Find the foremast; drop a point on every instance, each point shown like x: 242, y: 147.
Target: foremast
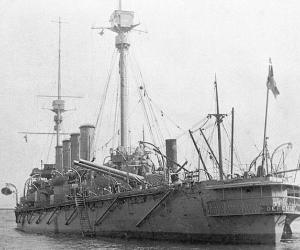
x: 58, y: 107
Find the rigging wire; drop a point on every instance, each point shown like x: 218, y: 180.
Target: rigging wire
x: 205, y: 120
x: 47, y: 140
x: 240, y: 121
x: 165, y: 125
x: 116, y: 132
x: 234, y: 148
x: 210, y: 139
x: 143, y: 104
x: 151, y: 119
x: 207, y: 154
x: 103, y: 98
x: 115, y: 126
x: 152, y: 114
x: 165, y: 114
x: 154, y: 103
x: 50, y: 146
x: 158, y: 130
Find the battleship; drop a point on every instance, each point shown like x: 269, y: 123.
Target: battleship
x: 144, y: 193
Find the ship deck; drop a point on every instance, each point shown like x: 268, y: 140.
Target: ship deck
x: 257, y: 181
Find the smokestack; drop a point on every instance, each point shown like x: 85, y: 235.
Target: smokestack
x: 86, y: 140
x: 58, y: 158
x: 74, y: 147
x: 171, y: 153
x: 66, y: 155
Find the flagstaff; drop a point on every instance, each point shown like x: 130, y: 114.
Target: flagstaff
x: 271, y: 85
x: 265, y: 132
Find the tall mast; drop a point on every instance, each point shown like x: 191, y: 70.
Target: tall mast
x: 122, y: 23
x: 122, y: 45
x: 271, y: 85
x: 219, y: 118
x: 231, y: 146
x: 59, y: 82
x: 58, y: 106
x: 264, y: 158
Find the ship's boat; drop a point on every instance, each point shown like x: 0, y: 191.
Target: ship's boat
x: 145, y: 193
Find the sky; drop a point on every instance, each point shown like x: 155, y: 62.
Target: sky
x: 186, y: 44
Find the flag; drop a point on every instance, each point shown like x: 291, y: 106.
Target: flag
x: 271, y: 84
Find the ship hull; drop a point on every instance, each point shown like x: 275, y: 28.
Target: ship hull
x: 180, y: 214
x: 264, y: 239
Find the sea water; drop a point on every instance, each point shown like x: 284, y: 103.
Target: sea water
x: 10, y: 238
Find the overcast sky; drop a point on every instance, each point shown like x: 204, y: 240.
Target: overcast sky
x: 186, y: 44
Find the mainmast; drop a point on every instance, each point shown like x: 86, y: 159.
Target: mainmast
x: 122, y: 23
x: 219, y: 118
x: 122, y: 45
x: 231, y: 143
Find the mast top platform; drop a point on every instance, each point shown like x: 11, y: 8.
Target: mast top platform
x: 121, y: 21
x: 58, y: 105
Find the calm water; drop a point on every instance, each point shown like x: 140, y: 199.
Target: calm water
x: 13, y: 239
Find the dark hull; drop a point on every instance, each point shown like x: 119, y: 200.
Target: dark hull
x: 183, y: 215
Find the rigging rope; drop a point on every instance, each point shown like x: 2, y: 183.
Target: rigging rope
x: 165, y: 125
x: 143, y: 104
x: 164, y: 114
x: 103, y: 98
x: 210, y: 139
x: 207, y: 153
x: 234, y: 148
x: 152, y: 114
x: 47, y: 141
x: 115, y: 127
x: 158, y: 130
x: 192, y: 128
x: 49, y: 148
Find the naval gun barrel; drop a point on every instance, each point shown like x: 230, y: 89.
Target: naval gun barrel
x: 109, y: 171
x: 84, y: 166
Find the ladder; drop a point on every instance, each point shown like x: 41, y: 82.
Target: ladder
x: 85, y: 223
